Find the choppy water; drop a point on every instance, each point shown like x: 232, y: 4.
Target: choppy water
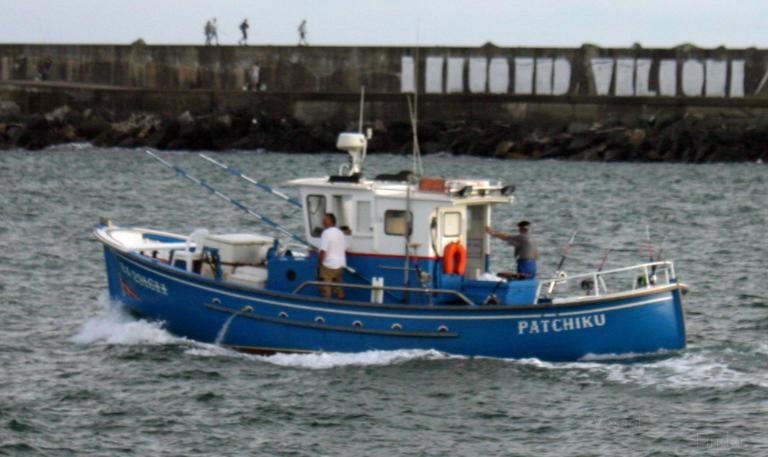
x: 78, y: 377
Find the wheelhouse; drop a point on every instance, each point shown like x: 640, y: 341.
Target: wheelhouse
x: 395, y: 216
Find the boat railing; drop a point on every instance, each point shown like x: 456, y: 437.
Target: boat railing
x: 424, y: 290
x: 597, y: 283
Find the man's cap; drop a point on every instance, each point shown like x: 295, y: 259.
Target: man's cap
x: 522, y: 224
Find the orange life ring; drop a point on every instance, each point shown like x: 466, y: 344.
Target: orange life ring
x: 448, y: 257
x: 461, y: 262
x: 454, y: 258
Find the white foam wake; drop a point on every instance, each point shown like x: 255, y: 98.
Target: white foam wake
x: 114, y: 326
x: 686, y: 371
x: 200, y: 349
x: 323, y: 360
x: 326, y: 360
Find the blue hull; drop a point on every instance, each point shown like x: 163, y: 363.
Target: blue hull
x: 264, y: 321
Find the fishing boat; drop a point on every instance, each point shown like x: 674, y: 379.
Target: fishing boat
x: 419, y: 276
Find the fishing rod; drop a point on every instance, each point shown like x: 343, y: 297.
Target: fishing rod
x: 559, y: 274
x: 649, y: 243
x: 491, y: 298
x: 226, y: 197
x: 589, y: 284
x: 659, y: 253
x: 653, y: 255
x: 235, y: 172
x: 605, y: 257
x: 566, y: 251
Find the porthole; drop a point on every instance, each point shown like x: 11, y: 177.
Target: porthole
x: 320, y: 320
x: 283, y: 314
x: 442, y: 329
x: 290, y: 275
x: 357, y: 324
x: 216, y: 301
x: 397, y: 326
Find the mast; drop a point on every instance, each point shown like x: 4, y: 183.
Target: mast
x: 408, y: 225
x: 413, y: 111
x: 416, y: 168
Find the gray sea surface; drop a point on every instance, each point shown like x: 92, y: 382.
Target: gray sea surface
x: 78, y: 377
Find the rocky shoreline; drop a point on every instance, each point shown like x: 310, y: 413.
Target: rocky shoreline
x: 666, y: 136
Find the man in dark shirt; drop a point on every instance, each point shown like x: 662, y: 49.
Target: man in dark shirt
x: 526, y: 249
x: 244, y: 30
x: 303, y: 33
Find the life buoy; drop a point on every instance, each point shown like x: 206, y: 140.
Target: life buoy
x: 454, y: 258
x: 448, y: 257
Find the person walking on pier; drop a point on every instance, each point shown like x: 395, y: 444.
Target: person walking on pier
x: 244, y: 26
x: 303, y: 33
x: 526, y: 249
x: 244, y: 30
x: 208, y: 34
x: 214, y: 32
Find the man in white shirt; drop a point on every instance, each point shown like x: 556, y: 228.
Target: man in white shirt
x: 333, y: 257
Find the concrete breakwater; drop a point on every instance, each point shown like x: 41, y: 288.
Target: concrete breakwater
x: 684, y: 103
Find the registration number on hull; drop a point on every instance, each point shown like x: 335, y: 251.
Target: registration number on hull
x: 143, y: 281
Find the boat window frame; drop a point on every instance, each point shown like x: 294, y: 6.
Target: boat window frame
x: 340, y: 203
x: 312, y: 228
x: 407, y: 215
x: 459, y: 225
x: 368, y: 228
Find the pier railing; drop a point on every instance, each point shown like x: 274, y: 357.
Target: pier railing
x: 597, y: 283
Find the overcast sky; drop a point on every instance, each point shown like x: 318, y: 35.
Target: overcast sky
x: 568, y: 23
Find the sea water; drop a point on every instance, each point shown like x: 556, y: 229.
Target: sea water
x: 81, y: 377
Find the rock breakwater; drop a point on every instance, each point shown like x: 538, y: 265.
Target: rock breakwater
x: 666, y: 136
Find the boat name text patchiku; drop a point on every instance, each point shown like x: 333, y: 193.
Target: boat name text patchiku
x: 559, y: 324
x: 143, y: 281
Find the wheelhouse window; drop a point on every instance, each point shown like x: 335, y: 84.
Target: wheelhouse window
x: 396, y: 222
x: 452, y: 224
x: 340, y: 209
x: 364, y: 225
x: 315, y: 213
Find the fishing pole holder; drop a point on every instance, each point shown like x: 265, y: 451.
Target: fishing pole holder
x: 561, y: 277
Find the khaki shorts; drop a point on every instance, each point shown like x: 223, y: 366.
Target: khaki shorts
x: 331, y: 275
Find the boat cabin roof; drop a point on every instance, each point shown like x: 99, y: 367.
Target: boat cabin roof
x: 442, y: 192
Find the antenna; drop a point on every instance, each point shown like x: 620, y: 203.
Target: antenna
x: 413, y: 111
x: 362, y: 104
x: 417, y: 168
